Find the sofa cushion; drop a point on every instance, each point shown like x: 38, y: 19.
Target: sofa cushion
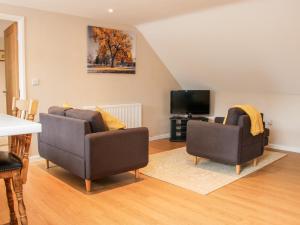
x: 233, y: 116
x: 59, y: 111
x: 111, y: 122
x: 94, y: 118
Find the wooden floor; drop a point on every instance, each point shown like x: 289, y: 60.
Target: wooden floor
x: 270, y: 196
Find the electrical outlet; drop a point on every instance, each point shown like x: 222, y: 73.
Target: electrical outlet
x: 269, y: 123
x: 35, y: 82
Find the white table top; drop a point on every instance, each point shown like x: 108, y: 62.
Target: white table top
x: 10, y: 125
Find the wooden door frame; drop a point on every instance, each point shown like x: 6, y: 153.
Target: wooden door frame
x: 21, y: 50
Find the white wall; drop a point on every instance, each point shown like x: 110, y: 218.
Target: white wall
x: 56, y: 52
x: 247, y: 51
x: 281, y: 109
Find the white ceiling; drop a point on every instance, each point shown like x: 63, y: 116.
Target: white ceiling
x: 130, y: 12
x: 249, y: 46
x: 3, y: 25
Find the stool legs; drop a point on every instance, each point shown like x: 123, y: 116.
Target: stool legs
x: 18, y: 188
x: 10, y: 201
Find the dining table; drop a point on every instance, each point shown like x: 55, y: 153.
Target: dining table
x: 10, y: 126
x: 13, y: 126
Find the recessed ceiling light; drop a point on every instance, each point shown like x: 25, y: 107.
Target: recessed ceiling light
x: 110, y: 10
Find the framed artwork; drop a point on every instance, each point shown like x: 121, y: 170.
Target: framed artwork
x: 2, y: 55
x: 111, y: 51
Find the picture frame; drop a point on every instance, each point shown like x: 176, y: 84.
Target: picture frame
x: 2, y: 55
x: 111, y: 51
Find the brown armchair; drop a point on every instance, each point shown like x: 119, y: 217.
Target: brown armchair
x: 229, y: 144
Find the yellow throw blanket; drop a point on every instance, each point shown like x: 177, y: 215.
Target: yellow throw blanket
x: 257, y: 126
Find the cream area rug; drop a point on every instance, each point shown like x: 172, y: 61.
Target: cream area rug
x: 177, y: 167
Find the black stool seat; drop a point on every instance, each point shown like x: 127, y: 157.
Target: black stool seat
x: 9, y: 162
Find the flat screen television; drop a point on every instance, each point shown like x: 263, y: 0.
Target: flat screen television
x: 190, y: 102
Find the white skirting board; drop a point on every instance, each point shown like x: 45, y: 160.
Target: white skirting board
x: 284, y: 148
x: 35, y: 158
x: 158, y: 137
x: 273, y: 146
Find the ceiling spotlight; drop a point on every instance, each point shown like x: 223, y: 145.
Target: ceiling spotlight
x: 110, y: 10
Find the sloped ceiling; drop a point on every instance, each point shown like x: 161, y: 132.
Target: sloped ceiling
x: 247, y: 45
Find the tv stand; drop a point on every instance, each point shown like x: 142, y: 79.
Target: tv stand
x: 179, y: 126
x: 191, y: 117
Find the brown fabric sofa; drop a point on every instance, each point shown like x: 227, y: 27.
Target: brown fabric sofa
x: 78, y: 141
x: 229, y: 144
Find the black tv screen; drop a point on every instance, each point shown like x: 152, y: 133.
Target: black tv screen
x: 190, y: 102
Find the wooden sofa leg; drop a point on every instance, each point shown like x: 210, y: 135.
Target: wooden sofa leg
x: 238, y: 169
x: 137, y: 174
x: 255, y: 162
x: 88, y: 185
x: 47, y: 164
x: 196, y: 160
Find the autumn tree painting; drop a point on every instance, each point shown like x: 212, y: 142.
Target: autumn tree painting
x: 110, y: 51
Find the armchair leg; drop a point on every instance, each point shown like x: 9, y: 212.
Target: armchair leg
x: 255, y: 162
x: 88, y: 185
x: 196, y: 160
x: 47, y: 164
x: 238, y: 169
x: 137, y: 174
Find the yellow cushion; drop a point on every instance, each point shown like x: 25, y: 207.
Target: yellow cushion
x: 67, y: 105
x: 111, y: 122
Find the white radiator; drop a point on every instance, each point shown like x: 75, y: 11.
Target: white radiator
x: 130, y: 114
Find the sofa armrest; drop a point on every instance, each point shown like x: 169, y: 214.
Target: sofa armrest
x: 214, y: 141
x: 113, y: 152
